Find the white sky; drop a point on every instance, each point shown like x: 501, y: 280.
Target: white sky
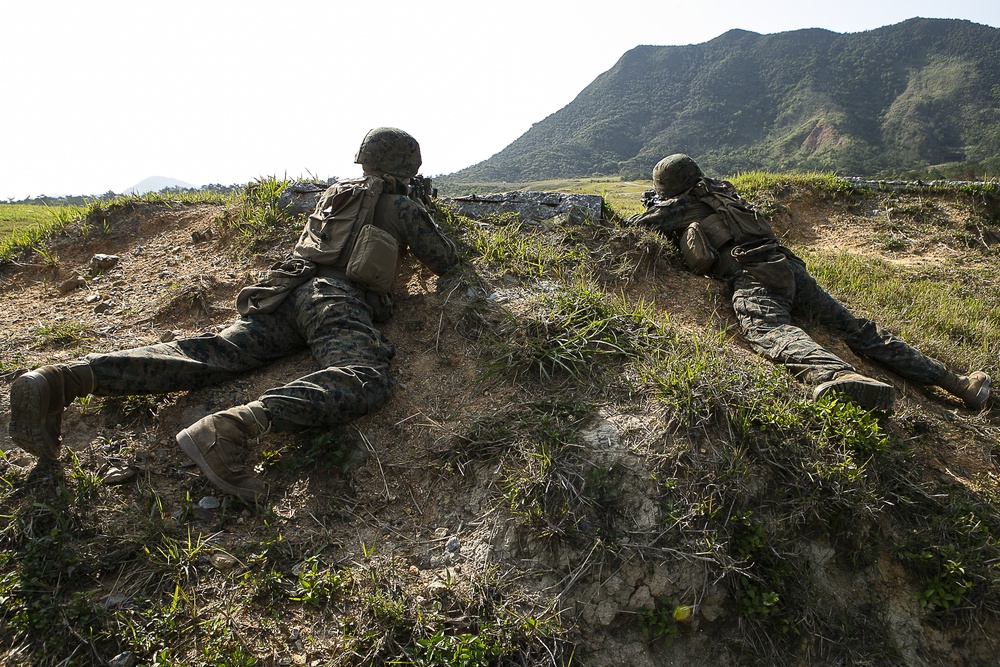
x: 98, y: 95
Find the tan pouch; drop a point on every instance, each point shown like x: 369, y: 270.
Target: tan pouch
x: 373, y: 261
x: 699, y: 255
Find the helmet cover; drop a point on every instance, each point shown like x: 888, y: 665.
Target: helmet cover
x: 675, y: 174
x: 389, y: 150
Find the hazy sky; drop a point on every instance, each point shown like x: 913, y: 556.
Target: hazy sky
x: 98, y: 95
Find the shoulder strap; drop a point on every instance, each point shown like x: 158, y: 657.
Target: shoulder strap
x: 373, y: 188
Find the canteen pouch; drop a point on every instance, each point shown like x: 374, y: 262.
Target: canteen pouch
x: 699, y: 255
x: 374, y: 259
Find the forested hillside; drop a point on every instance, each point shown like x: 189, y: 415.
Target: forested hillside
x: 899, y: 99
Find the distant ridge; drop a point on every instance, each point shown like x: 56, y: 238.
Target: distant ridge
x: 156, y: 184
x: 907, y: 96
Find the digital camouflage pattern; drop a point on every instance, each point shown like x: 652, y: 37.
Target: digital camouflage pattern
x: 327, y: 315
x: 389, y: 150
x: 765, y: 314
x: 767, y: 292
x: 675, y: 174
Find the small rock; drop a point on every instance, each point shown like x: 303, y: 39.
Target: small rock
x: 93, y: 298
x: 223, y: 561
x: 452, y: 545
x: 202, y: 514
x: 100, y: 263
x: 436, y: 588
x: 102, y: 307
x: 71, y: 284
x: 209, y: 503
x: 115, y: 600
x: 126, y: 659
x: 118, y: 475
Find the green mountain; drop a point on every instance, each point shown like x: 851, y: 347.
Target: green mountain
x: 903, y: 97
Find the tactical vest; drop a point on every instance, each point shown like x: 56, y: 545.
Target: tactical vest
x: 731, y: 223
x: 341, y: 234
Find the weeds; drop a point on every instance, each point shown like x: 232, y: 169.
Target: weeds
x: 194, y: 293
x: 62, y: 334
x: 660, y: 622
x: 571, y: 333
x: 255, y: 218
x: 611, y: 456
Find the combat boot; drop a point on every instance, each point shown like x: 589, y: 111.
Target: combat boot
x: 866, y: 392
x: 216, y: 444
x: 973, y: 389
x: 37, y: 401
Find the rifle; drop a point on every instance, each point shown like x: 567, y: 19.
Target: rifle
x: 649, y: 198
x: 421, y: 190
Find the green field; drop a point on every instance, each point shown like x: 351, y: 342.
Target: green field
x: 20, y: 216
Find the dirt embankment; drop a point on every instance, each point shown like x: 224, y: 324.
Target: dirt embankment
x: 397, y: 485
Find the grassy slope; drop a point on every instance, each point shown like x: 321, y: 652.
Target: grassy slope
x: 584, y: 407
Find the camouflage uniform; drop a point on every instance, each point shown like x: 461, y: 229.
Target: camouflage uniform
x: 328, y: 315
x: 764, y: 304
x: 360, y: 228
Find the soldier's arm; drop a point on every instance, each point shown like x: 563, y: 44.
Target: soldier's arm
x: 426, y: 240
x: 666, y: 217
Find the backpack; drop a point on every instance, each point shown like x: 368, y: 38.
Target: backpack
x: 342, y: 222
x: 736, y: 220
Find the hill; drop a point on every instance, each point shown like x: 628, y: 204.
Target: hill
x: 903, y: 97
x: 157, y: 184
x: 582, y: 464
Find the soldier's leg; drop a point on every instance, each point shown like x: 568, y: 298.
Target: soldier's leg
x: 764, y: 315
x: 867, y: 338
x: 39, y: 397
x: 333, y: 318
x: 199, y: 361
x: 864, y: 336
x: 354, y: 380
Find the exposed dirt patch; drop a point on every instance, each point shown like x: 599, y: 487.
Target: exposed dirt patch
x: 392, y: 481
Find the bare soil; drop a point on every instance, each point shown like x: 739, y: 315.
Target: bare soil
x: 406, y: 494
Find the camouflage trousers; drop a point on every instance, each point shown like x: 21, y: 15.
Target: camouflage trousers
x: 329, y: 317
x: 765, y: 312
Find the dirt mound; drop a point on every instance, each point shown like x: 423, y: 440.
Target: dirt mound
x: 431, y: 488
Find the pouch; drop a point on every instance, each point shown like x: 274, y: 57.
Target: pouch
x: 765, y: 260
x: 373, y: 260
x: 699, y: 255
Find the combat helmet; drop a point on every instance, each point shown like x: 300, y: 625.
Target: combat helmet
x: 388, y: 150
x: 675, y: 174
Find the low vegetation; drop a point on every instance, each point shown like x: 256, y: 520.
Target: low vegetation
x: 29, y: 226
x: 633, y: 489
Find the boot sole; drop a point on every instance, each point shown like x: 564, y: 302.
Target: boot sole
x: 29, y: 399
x: 869, y: 395
x: 978, y: 402
x: 190, y: 448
